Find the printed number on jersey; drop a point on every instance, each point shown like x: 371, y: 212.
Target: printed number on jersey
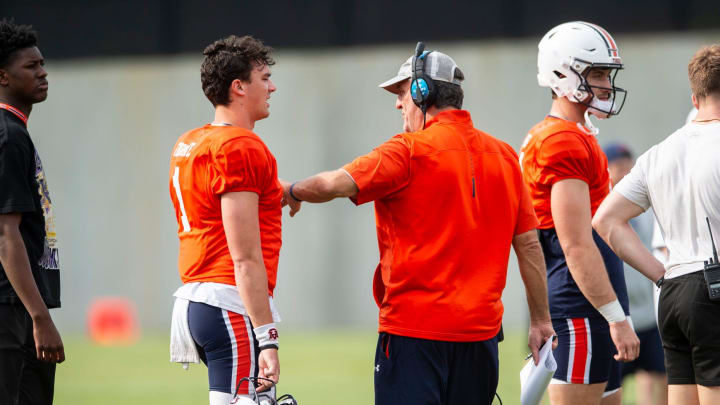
x: 176, y: 186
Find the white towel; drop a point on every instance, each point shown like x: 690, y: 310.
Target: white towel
x: 182, y: 345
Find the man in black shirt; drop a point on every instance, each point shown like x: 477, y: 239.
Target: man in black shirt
x: 30, y: 345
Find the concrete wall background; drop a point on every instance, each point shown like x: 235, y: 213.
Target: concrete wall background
x: 106, y: 131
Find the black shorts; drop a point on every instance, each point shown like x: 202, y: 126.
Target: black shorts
x: 431, y: 372
x: 690, y: 331
x: 23, y: 378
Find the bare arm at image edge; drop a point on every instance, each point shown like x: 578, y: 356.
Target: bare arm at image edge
x: 14, y: 259
x: 532, y: 270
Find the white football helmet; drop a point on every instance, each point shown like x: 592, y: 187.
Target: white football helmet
x: 260, y: 398
x: 565, y: 56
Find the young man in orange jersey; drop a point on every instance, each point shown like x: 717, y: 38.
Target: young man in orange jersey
x: 227, y: 198
x: 449, y: 201
x: 30, y: 344
x: 567, y: 174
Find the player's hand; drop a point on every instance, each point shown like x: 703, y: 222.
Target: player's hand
x: 287, y: 199
x: 269, y: 368
x: 625, y: 340
x: 48, y: 344
x: 540, y: 332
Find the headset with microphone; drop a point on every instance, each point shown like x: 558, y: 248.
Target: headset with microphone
x: 422, y: 88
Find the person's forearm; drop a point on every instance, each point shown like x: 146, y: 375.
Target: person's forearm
x: 625, y: 242
x: 531, y: 263
x: 324, y: 187
x: 588, y: 270
x: 15, y: 261
x: 252, y: 285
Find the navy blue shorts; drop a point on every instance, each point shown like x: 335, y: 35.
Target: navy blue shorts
x: 585, y: 352
x: 651, y: 356
x: 430, y: 372
x: 226, y: 344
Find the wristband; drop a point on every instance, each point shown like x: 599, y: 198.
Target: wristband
x: 291, y: 193
x: 269, y: 347
x: 612, y: 312
x: 266, y: 335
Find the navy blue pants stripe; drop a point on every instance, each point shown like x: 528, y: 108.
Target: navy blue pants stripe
x: 429, y: 372
x: 226, y: 344
x: 585, y: 352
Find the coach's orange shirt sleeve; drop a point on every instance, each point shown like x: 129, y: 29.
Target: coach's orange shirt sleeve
x: 526, y: 219
x: 240, y: 164
x: 381, y: 172
x: 563, y: 156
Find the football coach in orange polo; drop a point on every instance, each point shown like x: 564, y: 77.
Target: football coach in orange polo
x: 449, y: 203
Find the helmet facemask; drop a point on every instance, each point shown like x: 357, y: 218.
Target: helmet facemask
x: 586, y: 94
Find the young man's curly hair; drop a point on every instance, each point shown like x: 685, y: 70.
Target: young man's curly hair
x: 14, y: 37
x: 228, y: 59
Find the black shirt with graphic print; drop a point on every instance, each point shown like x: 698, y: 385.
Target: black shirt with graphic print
x: 23, y: 190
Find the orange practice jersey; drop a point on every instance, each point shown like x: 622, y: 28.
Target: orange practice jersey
x: 448, y: 201
x: 556, y: 149
x: 206, y: 163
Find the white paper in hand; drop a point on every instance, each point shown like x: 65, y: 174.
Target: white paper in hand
x: 534, y: 379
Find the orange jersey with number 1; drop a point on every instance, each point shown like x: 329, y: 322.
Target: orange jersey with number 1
x: 206, y: 163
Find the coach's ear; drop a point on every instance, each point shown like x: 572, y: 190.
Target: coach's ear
x: 4, y: 78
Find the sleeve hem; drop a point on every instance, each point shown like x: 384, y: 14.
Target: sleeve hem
x: 527, y: 228
x: 357, y: 200
x: 569, y: 177
x: 619, y: 190
x: 239, y: 189
x: 10, y: 209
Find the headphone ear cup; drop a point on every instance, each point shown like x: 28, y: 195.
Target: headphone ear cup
x: 430, y: 93
x: 422, y: 91
x: 419, y: 90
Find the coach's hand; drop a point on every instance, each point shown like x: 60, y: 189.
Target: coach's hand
x: 269, y: 368
x: 48, y: 344
x: 288, y: 199
x: 625, y: 340
x: 540, y: 332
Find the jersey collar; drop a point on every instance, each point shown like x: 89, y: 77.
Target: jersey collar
x: 580, y: 126
x: 15, y: 111
x: 457, y: 116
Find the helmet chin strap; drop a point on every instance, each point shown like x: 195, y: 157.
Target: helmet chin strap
x: 589, y: 125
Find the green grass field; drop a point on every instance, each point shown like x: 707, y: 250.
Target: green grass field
x: 331, y: 367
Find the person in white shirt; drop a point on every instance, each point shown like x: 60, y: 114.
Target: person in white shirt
x: 680, y: 179
x: 649, y: 367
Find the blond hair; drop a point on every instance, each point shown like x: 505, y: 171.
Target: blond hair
x: 704, y: 71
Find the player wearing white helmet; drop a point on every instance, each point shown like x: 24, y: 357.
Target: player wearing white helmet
x: 567, y: 55
x: 567, y: 174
